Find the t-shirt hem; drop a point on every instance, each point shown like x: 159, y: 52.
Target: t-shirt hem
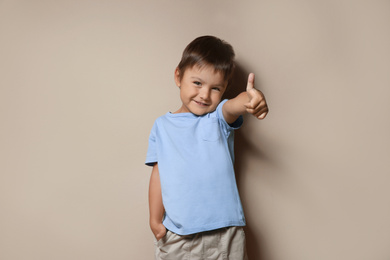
x: 189, y: 231
x: 151, y: 162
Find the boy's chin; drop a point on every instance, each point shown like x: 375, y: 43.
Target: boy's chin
x: 202, y: 113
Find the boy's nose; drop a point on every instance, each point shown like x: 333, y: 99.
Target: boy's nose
x: 205, y: 94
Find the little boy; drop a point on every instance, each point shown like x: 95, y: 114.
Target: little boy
x: 195, y: 208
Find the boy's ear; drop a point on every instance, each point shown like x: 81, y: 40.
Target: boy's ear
x: 177, y: 77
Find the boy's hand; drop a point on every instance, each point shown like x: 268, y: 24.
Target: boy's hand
x: 257, y: 105
x: 158, y: 230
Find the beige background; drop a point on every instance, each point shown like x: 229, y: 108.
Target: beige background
x: 83, y: 81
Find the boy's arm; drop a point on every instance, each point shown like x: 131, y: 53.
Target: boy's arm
x: 251, y: 101
x: 156, y: 207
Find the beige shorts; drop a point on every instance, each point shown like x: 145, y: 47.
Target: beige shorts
x: 225, y: 243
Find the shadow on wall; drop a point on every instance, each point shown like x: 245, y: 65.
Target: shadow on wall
x: 243, y: 146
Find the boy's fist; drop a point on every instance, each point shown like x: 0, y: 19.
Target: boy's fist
x: 256, y: 105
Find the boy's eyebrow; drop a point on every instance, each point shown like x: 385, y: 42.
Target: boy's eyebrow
x: 192, y: 77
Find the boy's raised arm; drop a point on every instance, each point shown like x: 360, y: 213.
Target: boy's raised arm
x: 251, y: 101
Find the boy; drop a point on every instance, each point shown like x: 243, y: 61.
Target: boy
x: 195, y: 209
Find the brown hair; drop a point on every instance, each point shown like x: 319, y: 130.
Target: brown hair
x: 208, y: 50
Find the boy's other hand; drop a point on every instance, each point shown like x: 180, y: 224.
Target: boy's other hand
x: 158, y: 230
x: 257, y: 105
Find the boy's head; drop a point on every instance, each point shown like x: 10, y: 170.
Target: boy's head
x: 208, y: 50
x: 203, y: 74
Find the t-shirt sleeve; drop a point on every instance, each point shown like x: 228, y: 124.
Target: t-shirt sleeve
x: 151, y: 155
x: 236, y: 124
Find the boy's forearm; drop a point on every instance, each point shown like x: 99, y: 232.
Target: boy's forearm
x: 235, y: 107
x: 156, y: 208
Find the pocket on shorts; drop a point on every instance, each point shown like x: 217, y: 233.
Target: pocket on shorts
x: 162, y: 240
x: 243, y: 232
x: 210, y: 129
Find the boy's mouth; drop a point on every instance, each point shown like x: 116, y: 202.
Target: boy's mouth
x: 201, y: 103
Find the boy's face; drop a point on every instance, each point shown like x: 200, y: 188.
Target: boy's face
x: 201, y: 89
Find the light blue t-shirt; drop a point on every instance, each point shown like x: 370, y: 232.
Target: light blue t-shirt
x: 195, y: 157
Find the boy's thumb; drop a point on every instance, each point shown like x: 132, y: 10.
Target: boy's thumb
x: 251, y: 82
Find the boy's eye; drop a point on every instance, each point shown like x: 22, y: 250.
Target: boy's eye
x: 197, y: 83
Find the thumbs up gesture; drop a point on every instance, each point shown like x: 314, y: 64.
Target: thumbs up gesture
x: 256, y: 105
